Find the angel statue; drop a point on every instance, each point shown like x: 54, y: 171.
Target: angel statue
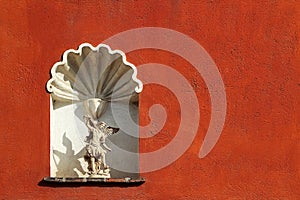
x: 96, y: 147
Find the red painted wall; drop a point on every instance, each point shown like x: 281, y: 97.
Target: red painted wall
x: 256, y: 48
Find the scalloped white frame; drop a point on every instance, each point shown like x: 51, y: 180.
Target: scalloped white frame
x: 138, y: 88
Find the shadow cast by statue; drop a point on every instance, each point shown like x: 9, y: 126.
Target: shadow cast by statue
x: 68, y: 162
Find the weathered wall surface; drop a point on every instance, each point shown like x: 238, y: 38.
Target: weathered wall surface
x: 256, y: 48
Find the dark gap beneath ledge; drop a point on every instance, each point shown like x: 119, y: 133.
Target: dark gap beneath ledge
x: 80, y: 182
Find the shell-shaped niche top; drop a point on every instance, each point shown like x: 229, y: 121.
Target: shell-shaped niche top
x: 94, y: 76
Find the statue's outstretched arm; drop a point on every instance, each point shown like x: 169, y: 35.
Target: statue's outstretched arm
x: 88, y: 122
x: 106, y: 147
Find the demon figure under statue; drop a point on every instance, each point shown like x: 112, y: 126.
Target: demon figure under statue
x: 96, y: 147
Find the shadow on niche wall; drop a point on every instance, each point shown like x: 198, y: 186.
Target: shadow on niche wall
x: 68, y: 164
x: 68, y: 161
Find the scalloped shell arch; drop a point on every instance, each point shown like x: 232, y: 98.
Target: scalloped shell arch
x: 93, y: 73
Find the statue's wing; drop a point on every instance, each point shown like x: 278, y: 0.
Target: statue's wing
x: 114, y: 130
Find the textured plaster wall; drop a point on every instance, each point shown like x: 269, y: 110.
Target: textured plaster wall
x: 255, y: 46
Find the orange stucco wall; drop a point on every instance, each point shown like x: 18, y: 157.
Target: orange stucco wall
x: 256, y: 48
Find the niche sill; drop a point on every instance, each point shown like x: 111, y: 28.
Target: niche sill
x: 71, y: 182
